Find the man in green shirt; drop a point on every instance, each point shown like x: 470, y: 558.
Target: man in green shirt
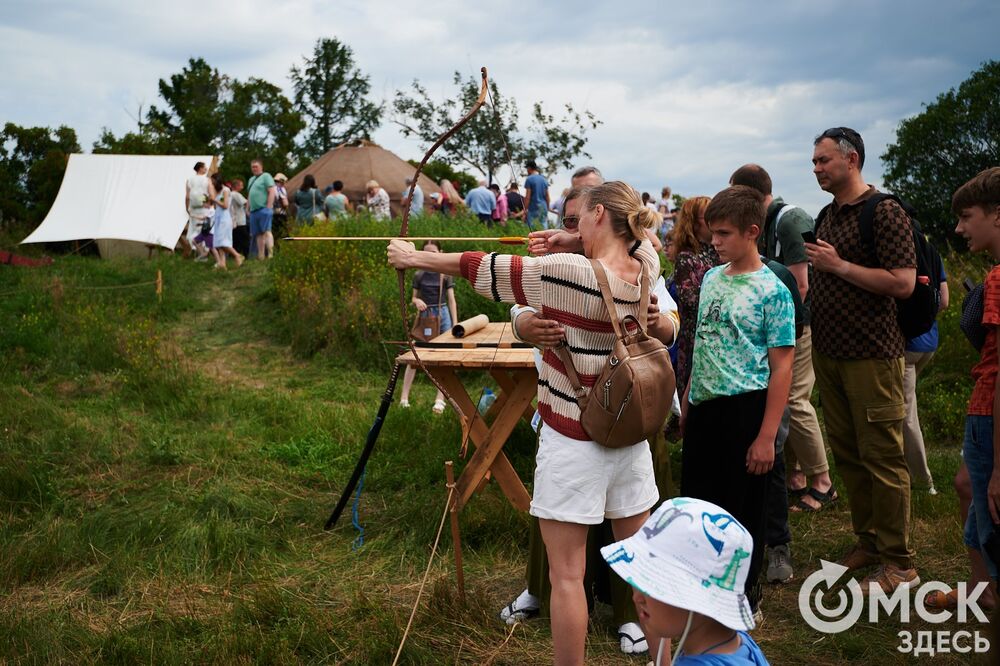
x: 260, y: 195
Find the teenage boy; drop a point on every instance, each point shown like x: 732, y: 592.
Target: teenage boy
x: 687, y: 566
x: 977, y: 205
x: 740, y: 374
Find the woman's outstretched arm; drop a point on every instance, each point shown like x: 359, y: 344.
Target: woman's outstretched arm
x: 403, y: 255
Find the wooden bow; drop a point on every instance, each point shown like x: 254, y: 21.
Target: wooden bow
x: 404, y: 229
x: 390, y: 389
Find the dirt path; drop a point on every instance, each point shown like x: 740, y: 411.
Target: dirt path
x: 226, y: 334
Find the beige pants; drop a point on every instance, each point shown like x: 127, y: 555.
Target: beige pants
x: 804, y: 446
x: 913, y: 438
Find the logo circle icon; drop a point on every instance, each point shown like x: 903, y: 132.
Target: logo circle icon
x: 850, y: 601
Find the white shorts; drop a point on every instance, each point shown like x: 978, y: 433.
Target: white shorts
x: 584, y: 482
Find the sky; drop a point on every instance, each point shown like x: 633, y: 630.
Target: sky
x: 686, y: 94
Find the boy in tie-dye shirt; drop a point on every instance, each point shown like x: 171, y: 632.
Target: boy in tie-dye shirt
x: 741, y: 372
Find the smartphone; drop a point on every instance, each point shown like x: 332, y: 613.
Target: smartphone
x: 968, y: 284
x: 809, y: 237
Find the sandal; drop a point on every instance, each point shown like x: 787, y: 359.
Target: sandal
x: 939, y: 600
x: 795, y: 494
x: 824, y: 499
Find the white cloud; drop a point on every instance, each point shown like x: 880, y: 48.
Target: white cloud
x: 685, y: 95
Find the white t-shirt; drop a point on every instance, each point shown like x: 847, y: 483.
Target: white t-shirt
x: 237, y: 203
x: 197, y: 188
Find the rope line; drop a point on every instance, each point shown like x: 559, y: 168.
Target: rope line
x: 77, y: 286
x: 355, y: 520
x: 427, y: 572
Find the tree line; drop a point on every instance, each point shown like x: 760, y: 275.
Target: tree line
x: 203, y: 111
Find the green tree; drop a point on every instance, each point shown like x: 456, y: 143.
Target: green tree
x: 483, y: 142
x: 952, y: 140
x: 330, y: 93
x: 207, y: 112
x: 32, y: 164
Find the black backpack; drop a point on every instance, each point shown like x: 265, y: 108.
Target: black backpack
x: 915, y: 314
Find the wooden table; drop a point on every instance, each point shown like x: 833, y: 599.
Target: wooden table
x: 512, y: 365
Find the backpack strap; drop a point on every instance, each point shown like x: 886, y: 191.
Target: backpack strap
x: 866, y: 222
x: 777, y: 221
x: 609, y: 302
x: 562, y: 351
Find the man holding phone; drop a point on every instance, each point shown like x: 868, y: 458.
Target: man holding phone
x: 809, y: 487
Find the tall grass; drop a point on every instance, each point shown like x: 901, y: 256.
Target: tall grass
x: 165, y: 470
x: 342, y: 299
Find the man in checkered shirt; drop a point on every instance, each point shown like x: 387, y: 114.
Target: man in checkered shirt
x: 858, y: 356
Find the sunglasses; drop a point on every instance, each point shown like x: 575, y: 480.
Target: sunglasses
x: 571, y: 221
x: 850, y: 136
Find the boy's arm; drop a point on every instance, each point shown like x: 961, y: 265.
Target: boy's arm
x: 760, y: 455
x: 685, y: 406
x: 993, y: 489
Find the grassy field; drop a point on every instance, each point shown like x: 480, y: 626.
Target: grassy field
x: 166, y: 469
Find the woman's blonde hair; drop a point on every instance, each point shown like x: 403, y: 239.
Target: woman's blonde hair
x: 629, y: 218
x: 449, y: 191
x: 371, y: 185
x: 684, y: 238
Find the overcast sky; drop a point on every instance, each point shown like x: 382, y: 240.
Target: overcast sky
x: 685, y: 94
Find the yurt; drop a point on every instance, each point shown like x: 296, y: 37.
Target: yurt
x: 355, y: 164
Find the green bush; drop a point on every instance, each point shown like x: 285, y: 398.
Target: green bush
x: 944, y: 387
x: 341, y: 297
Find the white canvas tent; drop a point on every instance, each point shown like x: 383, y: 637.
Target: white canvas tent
x: 125, y: 202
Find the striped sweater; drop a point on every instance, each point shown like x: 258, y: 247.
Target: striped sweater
x: 563, y: 288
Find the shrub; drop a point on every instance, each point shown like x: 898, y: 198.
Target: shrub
x: 342, y: 297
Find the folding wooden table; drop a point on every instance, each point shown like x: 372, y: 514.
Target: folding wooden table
x: 512, y: 365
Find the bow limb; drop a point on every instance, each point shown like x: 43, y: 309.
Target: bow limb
x: 404, y: 229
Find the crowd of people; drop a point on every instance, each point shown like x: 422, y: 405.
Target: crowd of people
x: 765, y: 303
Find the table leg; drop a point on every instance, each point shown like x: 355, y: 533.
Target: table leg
x: 489, y: 441
x: 507, y: 384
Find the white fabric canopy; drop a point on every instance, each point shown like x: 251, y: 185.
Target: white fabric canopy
x: 120, y: 197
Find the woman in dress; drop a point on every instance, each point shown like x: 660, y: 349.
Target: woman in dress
x: 308, y: 201
x: 377, y: 200
x: 428, y: 299
x: 578, y: 482
x: 222, y: 224
x: 692, y: 254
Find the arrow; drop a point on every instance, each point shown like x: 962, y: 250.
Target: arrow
x: 506, y: 240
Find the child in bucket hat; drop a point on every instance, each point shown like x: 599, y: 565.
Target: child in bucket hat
x: 688, y: 564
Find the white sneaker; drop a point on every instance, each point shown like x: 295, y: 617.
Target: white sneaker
x: 438, y: 407
x: 404, y: 403
x: 525, y: 607
x: 631, y: 638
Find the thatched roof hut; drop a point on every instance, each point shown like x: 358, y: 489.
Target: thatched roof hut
x: 355, y: 164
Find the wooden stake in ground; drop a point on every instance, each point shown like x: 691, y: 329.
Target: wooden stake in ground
x: 159, y: 286
x: 456, y: 537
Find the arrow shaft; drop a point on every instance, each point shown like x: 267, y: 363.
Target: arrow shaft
x: 506, y: 240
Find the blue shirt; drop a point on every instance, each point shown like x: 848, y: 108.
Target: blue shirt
x: 539, y: 188
x: 748, y: 654
x: 926, y: 342
x: 417, y: 203
x: 481, y: 201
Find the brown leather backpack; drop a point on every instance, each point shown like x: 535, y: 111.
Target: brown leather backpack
x: 632, y: 396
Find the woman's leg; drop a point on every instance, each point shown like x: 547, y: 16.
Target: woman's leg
x: 408, y: 376
x: 566, y: 546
